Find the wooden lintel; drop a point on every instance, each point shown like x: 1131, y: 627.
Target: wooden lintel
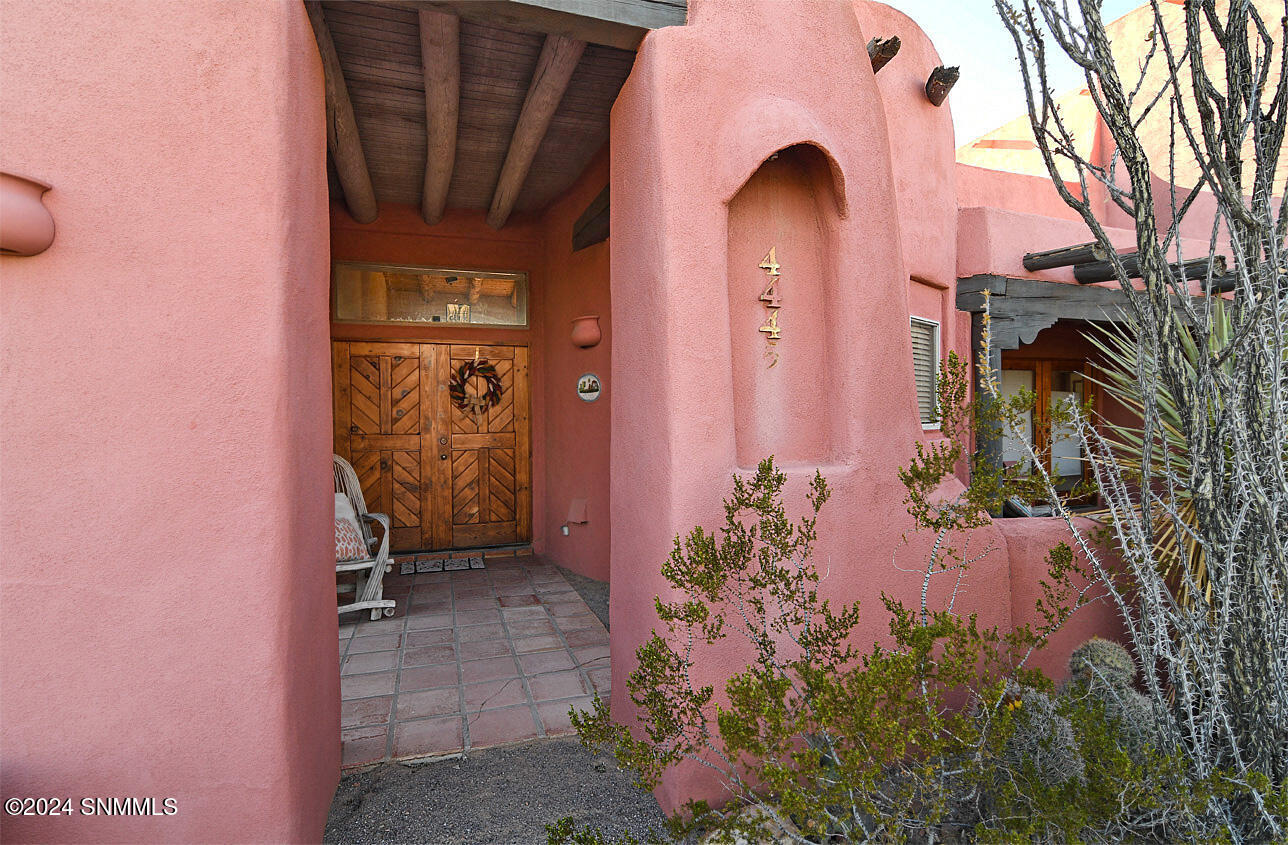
x: 342, y: 138
x: 1020, y: 308
x: 1065, y: 256
x: 559, y: 57
x: 592, y: 226
x: 440, y: 62
x: 616, y: 23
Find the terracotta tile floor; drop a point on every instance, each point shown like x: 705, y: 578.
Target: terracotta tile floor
x: 471, y: 658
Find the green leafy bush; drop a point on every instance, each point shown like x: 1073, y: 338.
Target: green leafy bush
x: 939, y: 733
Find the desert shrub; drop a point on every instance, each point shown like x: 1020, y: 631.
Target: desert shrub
x: 818, y: 741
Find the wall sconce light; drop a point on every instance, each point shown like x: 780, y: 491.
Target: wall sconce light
x: 26, y: 226
x: 585, y: 331
x: 941, y: 81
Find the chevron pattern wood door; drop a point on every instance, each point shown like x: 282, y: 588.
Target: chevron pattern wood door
x: 490, y: 456
x: 378, y: 420
x: 446, y: 478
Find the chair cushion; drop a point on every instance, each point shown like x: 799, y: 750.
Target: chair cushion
x: 348, y: 541
x: 344, y: 508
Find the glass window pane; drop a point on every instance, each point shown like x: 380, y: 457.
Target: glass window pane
x: 1013, y: 450
x: 1066, y: 447
x: 375, y: 293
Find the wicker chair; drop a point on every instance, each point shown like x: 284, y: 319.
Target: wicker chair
x: 371, y: 570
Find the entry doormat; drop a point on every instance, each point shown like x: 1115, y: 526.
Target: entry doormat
x: 412, y: 565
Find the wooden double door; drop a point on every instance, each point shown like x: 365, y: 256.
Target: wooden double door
x: 448, y: 478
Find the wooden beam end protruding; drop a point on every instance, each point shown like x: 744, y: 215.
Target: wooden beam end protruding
x: 1103, y: 271
x: 342, y: 138
x: 882, y: 50
x: 559, y: 57
x: 440, y: 61
x: 1065, y: 256
x: 941, y: 81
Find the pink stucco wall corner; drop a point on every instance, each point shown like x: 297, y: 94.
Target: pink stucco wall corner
x: 680, y: 154
x: 168, y: 620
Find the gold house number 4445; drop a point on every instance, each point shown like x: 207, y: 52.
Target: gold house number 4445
x: 773, y: 302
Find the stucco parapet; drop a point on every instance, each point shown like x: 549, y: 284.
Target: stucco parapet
x: 994, y: 240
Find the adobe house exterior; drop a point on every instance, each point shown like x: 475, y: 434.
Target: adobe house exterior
x: 172, y: 388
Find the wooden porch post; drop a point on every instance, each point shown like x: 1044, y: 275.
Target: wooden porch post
x: 988, y: 444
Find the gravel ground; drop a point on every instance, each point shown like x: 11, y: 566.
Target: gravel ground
x: 499, y: 795
x: 593, y: 593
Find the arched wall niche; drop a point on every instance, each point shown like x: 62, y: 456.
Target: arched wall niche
x: 783, y: 389
x: 772, y: 123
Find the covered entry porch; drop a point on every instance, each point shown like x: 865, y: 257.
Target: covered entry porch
x: 468, y: 161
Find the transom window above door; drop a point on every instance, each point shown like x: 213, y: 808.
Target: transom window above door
x: 395, y: 293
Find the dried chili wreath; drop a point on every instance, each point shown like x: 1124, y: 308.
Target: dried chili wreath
x: 473, y: 403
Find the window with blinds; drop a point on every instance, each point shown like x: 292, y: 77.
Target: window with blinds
x: 925, y: 369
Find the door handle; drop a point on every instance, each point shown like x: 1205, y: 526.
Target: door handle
x: 442, y: 457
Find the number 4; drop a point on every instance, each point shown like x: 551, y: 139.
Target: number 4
x: 771, y: 328
x: 771, y: 262
x: 771, y: 265
x: 771, y: 295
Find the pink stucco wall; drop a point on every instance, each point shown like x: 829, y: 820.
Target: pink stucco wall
x: 927, y: 182
x: 167, y: 621
x: 979, y: 186
x: 1028, y: 541
x: 577, y: 432
x: 683, y: 146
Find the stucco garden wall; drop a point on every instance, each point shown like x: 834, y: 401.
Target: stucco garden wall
x: 167, y: 617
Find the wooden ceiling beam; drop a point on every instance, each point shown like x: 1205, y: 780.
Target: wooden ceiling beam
x: 440, y: 62
x: 342, y: 138
x: 559, y: 57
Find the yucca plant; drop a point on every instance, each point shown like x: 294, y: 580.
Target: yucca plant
x: 1199, y: 129
x: 1175, y: 540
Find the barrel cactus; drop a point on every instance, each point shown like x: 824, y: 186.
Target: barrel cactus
x: 1102, y: 672
x: 1103, y: 660
x: 1042, y: 738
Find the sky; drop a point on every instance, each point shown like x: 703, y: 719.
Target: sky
x: 969, y: 33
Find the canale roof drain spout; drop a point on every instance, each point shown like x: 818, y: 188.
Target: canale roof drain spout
x: 26, y: 226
